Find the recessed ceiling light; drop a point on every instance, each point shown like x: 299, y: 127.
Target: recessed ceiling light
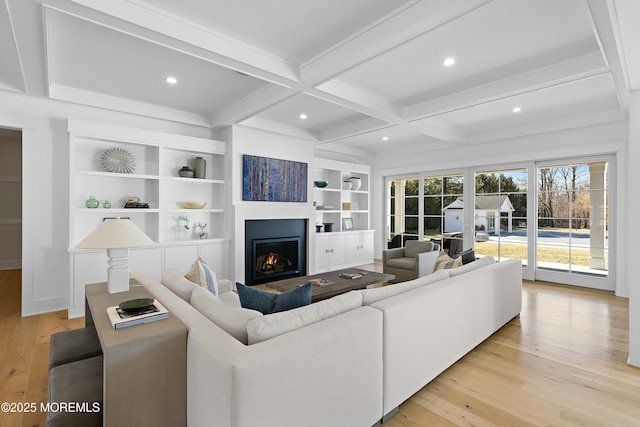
x: 449, y: 62
x: 385, y: 138
x: 516, y: 109
x: 171, y: 80
x: 303, y: 116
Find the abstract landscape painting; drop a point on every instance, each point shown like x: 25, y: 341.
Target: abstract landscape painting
x: 273, y: 180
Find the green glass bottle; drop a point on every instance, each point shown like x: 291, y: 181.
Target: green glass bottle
x: 92, y: 203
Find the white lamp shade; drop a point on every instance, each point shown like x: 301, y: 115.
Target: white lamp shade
x: 116, y: 233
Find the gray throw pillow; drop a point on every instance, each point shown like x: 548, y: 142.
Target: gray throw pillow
x: 467, y: 256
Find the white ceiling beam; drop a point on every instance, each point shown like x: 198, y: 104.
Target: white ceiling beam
x: 624, y: 38
x: 385, y: 112
x: 565, y: 72
x: 252, y: 105
x: 550, y: 126
x: 624, y: 18
x: 165, y: 29
x: 400, y: 26
x: 603, y: 30
x: 11, y: 73
x: 330, y: 149
x: 281, y: 128
x: 354, y: 129
x: 26, y: 21
x: 350, y: 97
x: 120, y: 104
x: 439, y: 131
x: 413, y: 20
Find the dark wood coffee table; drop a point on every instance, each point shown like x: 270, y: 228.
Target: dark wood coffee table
x: 340, y: 285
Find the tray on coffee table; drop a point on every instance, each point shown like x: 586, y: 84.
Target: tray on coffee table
x: 339, y: 283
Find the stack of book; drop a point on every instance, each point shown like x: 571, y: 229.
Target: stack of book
x: 121, y: 319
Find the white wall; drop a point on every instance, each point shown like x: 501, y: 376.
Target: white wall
x: 245, y: 140
x: 590, y: 140
x: 45, y: 260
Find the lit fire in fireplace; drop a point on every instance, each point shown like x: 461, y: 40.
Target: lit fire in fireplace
x: 271, y: 262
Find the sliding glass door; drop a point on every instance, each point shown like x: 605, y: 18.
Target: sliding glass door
x: 553, y: 216
x: 573, y: 223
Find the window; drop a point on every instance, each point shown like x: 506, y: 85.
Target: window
x: 500, y: 214
x: 403, y: 210
x: 440, y: 215
x: 444, y: 211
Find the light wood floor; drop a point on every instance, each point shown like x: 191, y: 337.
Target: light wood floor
x: 24, y: 351
x: 561, y: 363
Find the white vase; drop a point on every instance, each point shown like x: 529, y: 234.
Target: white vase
x: 346, y: 185
x: 356, y: 183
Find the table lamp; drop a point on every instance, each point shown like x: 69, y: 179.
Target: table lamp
x: 116, y: 235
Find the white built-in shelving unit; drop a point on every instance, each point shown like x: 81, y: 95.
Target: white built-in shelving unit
x: 155, y: 181
x: 342, y: 248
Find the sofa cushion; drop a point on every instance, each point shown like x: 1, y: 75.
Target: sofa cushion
x: 444, y: 261
x: 272, y: 325
x: 178, y: 284
x: 230, y: 298
x: 271, y: 302
x: 487, y: 260
x: 414, y: 247
x: 403, y: 263
x: 373, y: 295
x: 232, y: 319
x: 203, y: 275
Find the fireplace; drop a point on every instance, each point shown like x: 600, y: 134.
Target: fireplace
x: 275, y: 249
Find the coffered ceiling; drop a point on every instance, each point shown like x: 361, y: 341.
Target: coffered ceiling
x: 368, y: 74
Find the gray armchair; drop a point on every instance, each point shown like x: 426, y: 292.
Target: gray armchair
x: 415, y: 260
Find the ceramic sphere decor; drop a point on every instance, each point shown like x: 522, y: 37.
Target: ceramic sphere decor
x: 186, y: 172
x: 117, y: 160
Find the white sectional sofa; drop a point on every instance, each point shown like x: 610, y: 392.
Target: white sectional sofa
x: 347, y: 361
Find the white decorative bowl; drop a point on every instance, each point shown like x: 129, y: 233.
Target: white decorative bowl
x: 194, y: 205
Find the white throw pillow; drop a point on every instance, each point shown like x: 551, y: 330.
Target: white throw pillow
x: 271, y: 325
x: 373, y: 295
x: 178, y: 284
x: 232, y: 319
x: 203, y: 275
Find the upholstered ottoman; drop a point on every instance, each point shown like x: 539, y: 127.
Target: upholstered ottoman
x: 77, y: 383
x: 74, y: 345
